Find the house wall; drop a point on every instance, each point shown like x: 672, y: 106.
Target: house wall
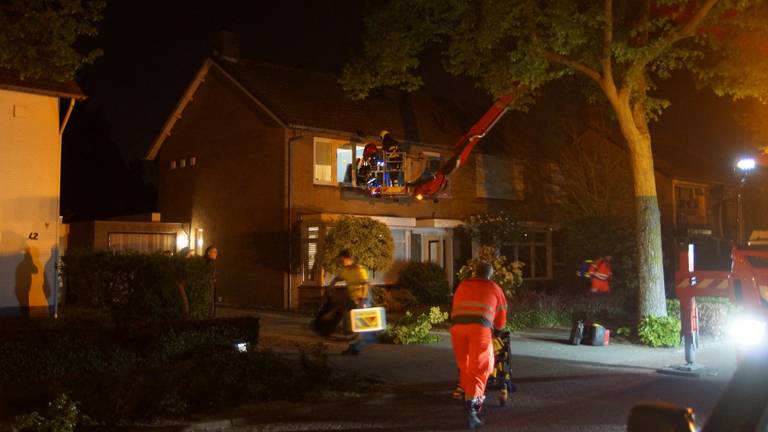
x: 234, y: 193
x: 29, y: 201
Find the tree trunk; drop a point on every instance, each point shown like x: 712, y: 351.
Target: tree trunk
x: 650, y: 269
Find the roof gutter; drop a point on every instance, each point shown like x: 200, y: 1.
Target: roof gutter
x: 66, y: 117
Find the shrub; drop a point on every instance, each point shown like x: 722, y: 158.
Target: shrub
x: 537, y: 318
x: 370, y: 241
x: 63, y: 416
x: 85, y: 349
x: 415, y: 330
x: 659, y: 331
x: 509, y: 276
x: 426, y: 281
x: 393, y: 299
x: 157, y: 368
x: 138, y: 286
x: 673, y: 308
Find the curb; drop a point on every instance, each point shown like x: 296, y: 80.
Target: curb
x: 238, y: 422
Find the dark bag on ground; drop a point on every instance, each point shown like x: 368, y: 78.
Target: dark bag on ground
x: 330, y: 313
x: 577, y: 333
x: 595, y: 335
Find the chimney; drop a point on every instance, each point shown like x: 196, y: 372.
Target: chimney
x: 226, y: 46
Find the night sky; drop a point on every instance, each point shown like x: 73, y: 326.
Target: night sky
x: 152, y: 49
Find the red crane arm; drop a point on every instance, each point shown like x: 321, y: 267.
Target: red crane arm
x: 464, y: 147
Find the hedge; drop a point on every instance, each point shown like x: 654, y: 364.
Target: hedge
x: 138, y: 286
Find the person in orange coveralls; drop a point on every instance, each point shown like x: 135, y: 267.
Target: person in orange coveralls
x: 601, y: 273
x: 479, y: 308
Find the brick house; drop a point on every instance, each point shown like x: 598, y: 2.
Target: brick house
x: 254, y: 159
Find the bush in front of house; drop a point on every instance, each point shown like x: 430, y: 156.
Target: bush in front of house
x: 157, y: 368
x: 413, y: 329
x: 84, y: 348
x: 508, y: 275
x: 659, y: 331
x: 426, y: 281
x: 393, y: 299
x: 130, y: 285
x: 368, y: 240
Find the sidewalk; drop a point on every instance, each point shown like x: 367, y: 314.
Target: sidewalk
x: 434, y: 362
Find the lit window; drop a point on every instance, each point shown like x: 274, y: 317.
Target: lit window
x: 192, y: 161
x: 173, y: 164
x: 313, y: 236
x: 183, y: 163
x: 199, y: 241
x: 333, y: 161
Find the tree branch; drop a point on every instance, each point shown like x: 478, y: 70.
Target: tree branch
x: 607, y: 40
x: 685, y: 31
x: 580, y: 67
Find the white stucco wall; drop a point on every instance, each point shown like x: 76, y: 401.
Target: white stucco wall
x: 29, y: 201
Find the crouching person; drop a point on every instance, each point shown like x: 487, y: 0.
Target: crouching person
x: 479, y: 307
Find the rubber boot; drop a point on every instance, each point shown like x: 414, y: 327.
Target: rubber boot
x: 473, y: 413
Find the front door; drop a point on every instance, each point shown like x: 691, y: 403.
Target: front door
x: 433, y: 249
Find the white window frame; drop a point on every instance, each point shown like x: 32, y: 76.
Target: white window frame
x: 335, y: 145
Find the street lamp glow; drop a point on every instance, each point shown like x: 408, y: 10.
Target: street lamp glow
x: 746, y: 164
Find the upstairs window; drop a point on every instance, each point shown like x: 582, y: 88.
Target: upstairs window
x: 499, y: 178
x: 334, y: 160
x: 691, y: 204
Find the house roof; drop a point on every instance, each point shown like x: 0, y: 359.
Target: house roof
x: 310, y: 99
x: 305, y: 99
x: 11, y: 81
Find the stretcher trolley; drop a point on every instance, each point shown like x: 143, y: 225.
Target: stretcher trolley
x: 501, y: 378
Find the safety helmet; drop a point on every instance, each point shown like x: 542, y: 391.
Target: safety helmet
x: 383, y: 133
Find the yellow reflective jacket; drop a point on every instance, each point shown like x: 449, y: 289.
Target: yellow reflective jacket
x: 356, y: 278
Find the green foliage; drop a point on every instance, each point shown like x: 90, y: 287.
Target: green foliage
x: 659, y: 331
x: 88, y: 348
x: 537, y: 318
x: 624, y: 331
x: 63, y: 416
x: 493, y: 228
x: 138, y: 286
x: 393, y: 299
x: 368, y: 240
x: 159, y: 368
x: 673, y: 308
x: 509, y: 276
x: 415, y: 329
x: 501, y: 44
x: 426, y: 281
x: 38, y: 38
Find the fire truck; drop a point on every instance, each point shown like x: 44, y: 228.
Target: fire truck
x: 384, y: 172
x: 744, y: 284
